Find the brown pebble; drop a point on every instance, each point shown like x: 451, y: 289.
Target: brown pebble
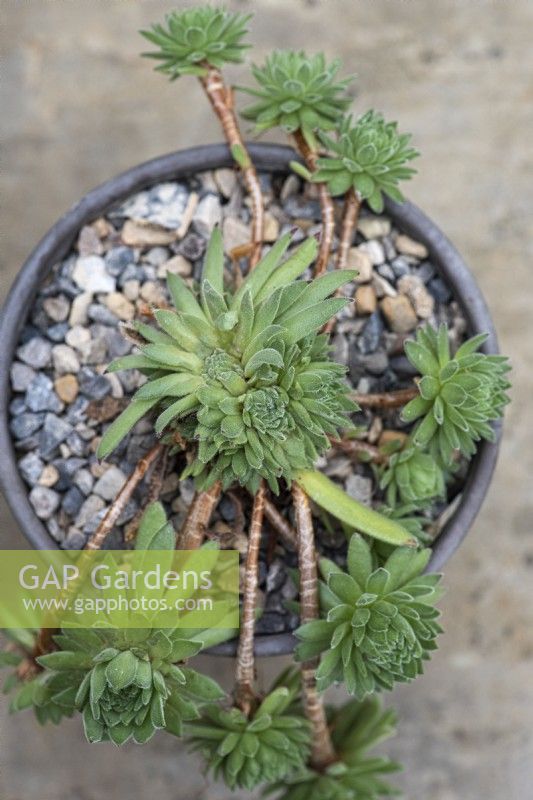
x: 365, y: 300
x: 67, y: 388
x: 49, y: 476
x: 106, y: 409
x: 410, y: 247
x: 139, y: 233
x: 399, y: 313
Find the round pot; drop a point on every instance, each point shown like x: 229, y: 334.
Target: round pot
x: 270, y: 158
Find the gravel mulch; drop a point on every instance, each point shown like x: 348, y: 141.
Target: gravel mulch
x: 62, y: 399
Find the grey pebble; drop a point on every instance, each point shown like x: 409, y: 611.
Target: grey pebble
x: 93, y: 385
x: 439, y: 290
x: 54, y: 431
x: 25, y: 424
x: 40, y: 395
x: 111, y: 482
x: 44, y: 501
x: 118, y: 258
x: 101, y: 314
x: 37, y: 353
x: 58, y: 332
x: 21, y: 376
x: 192, y: 247
x: 30, y: 467
x: 17, y: 406
x: 369, y: 339
x: 92, y: 506
x: 57, y: 308
x: 72, y: 501
x: 75, y: 540
x: 359, y: 488
x: 84, y: 481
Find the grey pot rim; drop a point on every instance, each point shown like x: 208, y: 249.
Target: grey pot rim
x: 270, y: 158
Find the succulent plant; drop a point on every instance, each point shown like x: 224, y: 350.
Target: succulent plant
x: 265, y: 746
x: 128, y: 684
x: 355, y: 728
x: 196, y: 37
x: 380, y: 623
x: 412, y: 476
x: 370, y: 157
x: 297, y: 92
x: 248, y: 373
x: 125, y: 682
x: 459, y: 396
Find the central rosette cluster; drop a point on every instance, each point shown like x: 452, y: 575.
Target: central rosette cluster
x: 247, y: 375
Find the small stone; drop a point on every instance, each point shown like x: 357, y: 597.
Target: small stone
x: 118, y: 259
x: 178, y: 265
x: 374, y: 250
x: 75, y: 539
x: 76, y: 445
x: 49, y: 476
x: 102, y: 227
x: 117, y: 390
x: 152, y: 292
x: 374, y: 227
x: 193, y: 246
x: 370, y: 336
x: 360, y: 489
x: 235, y: 233
x: 208, y: 214
x: 271, y: 228
x: 17, y: 406
x: 291, y: 186
x: 157, y: 256
x: 130, y: 289
x: 84, y: 481
x: 77, y: 337
x: 226, y: 180
x: 24, y: 425
x: 21, y: 376
x: 36, y: 353
x: 93, y: 385
x: 31, y: 467
x: 90, y: 275
x: 58, y: 332
x: 92, y: 506
x: 359, y: 260
x: 111, y: 482
x: 400, y: 267
x: 140, y: 233
x: 409, y: 247
x: 44, y: 501
x: 341, y: 348
x: 375, y: 363
x: 101, y: 315
x: 89, y: 243
x: 120, y: 306
x: 57, y: 308
x: 387, y: 272
x: 72, y: 501
x: 399, y: 313
x: 67, y: 388
x: 425, y: 271
x: 414, y: 288
x: 78, y: 310
x: 382, y: 287
x: 365, y: 300
x: 54, y: 431
x: 65, y: 359
x: 40, y: 395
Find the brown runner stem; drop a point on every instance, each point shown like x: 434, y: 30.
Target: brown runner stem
x: 326, y: 205
x: 221, y: 99
x: 245, y: 669
x: 386, y: 399
x: 97, y: 539
x: 194, y: 528
x: 355, y: 447
x: 352, y: 204
x: 322, y: 752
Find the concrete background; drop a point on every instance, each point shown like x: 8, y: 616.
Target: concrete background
x: 79, y: 106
